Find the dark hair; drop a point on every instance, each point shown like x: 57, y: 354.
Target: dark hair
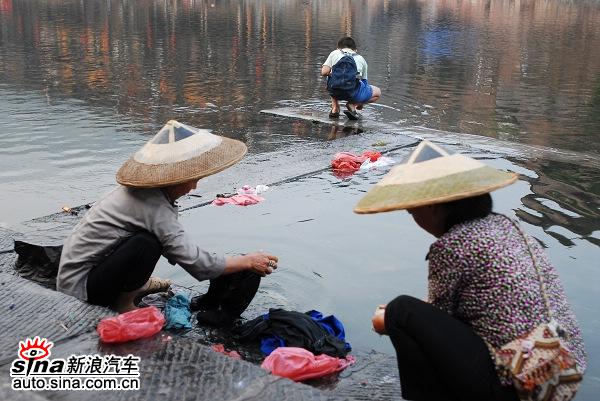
x: 462, y: 210
x: 346, y: 42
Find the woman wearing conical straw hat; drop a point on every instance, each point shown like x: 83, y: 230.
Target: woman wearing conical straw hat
x: 110, y: 255
x: 484, y: 286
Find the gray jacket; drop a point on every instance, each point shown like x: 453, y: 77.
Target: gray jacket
x: 117, y: 216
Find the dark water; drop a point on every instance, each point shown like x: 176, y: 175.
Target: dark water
x: 84, y: 83
x: 527, y: 71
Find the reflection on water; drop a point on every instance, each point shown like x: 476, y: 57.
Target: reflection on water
x: 520, y: 70
x: 564, y: 195
x: 89, y: 72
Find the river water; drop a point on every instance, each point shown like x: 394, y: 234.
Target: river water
x: 84, y: 83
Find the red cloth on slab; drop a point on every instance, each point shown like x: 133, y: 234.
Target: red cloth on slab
x: 241, y: 200
x: 345, y: 164
x: 221, y: 349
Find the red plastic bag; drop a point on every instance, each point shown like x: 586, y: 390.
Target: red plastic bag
x: 139, y: 323
x: 299, y: 364
x: 345, y: 164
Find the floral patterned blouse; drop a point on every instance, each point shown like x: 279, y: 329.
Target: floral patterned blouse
x: 481, y: 272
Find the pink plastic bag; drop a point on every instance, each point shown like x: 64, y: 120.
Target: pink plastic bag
x: 139, y: 323
x: 299, y: 364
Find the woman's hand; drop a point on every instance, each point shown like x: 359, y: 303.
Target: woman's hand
x: 259, y: 262
x: 378, y: 320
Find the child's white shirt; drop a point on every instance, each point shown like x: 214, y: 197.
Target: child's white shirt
x: 337, y: 54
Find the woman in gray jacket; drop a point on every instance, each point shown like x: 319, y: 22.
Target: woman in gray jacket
x: 111, y: 253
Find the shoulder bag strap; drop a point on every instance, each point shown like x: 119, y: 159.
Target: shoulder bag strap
x: 537, y: 267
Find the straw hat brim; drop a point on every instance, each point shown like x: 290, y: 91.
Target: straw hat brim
x: 135, y: 174
x: 385, y: 198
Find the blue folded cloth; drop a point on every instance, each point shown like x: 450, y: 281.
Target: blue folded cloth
x: 177, y: 312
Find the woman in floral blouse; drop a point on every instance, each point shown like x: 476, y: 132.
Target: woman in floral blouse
x: 484, y: 289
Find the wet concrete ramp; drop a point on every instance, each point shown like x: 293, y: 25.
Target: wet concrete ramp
x: 311, y: 113
x: 30, y: 308
x: 374, y: 377
x: 320, y: 116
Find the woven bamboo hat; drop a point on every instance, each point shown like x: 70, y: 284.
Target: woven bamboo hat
x: 432, y: 175
x: 179, y: 153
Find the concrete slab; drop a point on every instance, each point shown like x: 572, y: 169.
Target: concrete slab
x: 176, y: 369
x: 173, y: 368
x: 303, y: 160
x: 29, y: 309
x: 374, y: 377
x: 319, y: 116
x: 312, y: 113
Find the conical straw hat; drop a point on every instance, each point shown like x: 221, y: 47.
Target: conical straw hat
x: 432, y: 175
x: 179, y: 153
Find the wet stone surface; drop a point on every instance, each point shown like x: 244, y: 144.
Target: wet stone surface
x: 28, y: 308
x: 6, y: 241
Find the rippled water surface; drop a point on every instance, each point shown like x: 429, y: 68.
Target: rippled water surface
x: 104, y: 75
x: 84, y: 83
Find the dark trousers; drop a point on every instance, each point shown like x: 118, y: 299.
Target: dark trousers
x: 126, y: 269
x: 439, y: 357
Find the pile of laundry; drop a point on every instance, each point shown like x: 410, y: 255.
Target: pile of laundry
x: 175, y: 306
x: 299, y: 346
x: 245, y: 196
x: 345, y: 164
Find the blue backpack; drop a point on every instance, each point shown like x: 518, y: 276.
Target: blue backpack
x: 343, y: 80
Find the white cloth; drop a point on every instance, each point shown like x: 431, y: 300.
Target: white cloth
x: 120, y: 214
x: 381, y: 162
x: 249, y: 190
x: 337, y: 54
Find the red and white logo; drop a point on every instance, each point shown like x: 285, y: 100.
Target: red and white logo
x: 34, y: 370
x: 37, y: 349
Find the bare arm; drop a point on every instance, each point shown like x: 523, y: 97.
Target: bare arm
x: 325, y: 70
x: 258, y: 262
